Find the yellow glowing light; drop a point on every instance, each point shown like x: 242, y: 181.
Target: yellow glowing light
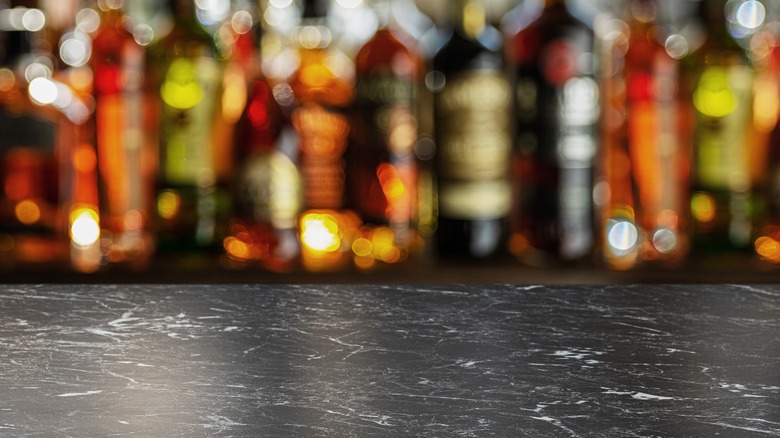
x: 84, y: 226
x: 7, y: 80
x: 181, y: 88
x: 320, y: 232
x: 28, y: 212
x: 703, y: 207
x: 383, y: 241
x: 766, y: 104
x: 714, y: 96
x: 362, y: 247
x: 168, y: 204
x: 234, y: 96
x: 768, y: 249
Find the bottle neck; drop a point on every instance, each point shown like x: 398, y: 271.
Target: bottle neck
x: 384, y: 12
x: 470, y: 18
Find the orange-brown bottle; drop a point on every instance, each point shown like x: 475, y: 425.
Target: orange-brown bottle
x: 647, y: 132
x: 32, y: 201
x: 322, y: 96
x: 382, y: 166
x: 266, y: 181
x: 125, y: 163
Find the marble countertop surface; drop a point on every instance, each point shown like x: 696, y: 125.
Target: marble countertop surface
x: 406, y: 361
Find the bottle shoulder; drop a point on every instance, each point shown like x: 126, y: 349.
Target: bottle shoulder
x: 387, y: 53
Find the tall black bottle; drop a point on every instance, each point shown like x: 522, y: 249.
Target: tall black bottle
x: 472, y: 106
x: 557, y: 108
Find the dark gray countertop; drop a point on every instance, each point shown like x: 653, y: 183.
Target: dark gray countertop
x: 363, y: 360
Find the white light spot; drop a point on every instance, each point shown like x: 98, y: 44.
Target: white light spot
x: 676, y: 46
x: 349, y: 4
x: 87, y: 20
x: 85, y: 230
x: 622, y: 235
x: 664, y: 240
x: 33, y: 20
x: 143, y: 34
x: 43, y: 91
x: 751, y: 14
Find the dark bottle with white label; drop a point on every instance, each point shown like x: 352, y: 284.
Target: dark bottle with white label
x: 472, y: 105
x: 557, y: 107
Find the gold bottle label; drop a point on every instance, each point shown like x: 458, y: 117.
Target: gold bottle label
x: 473, y: 118
x: 189, y: 94
x: 323, y: 138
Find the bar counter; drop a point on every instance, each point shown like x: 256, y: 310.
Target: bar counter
x: 389, y: 360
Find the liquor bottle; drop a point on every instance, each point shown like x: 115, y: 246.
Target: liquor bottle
x: 267, y: 185
x: 125, y: 163
x: 320, y: 121
x: 472, y: 106
x: 32, y: 203
x: 183, y: 87
x: 647, y: 127
x: 722, y: 201
x: 382, y: 166
x: 557, y: 107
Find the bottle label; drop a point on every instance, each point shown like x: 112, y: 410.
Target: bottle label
x: 473, y: 119
x: 475, y: 199
x: 271, y: 189
x: 323, y: 139
x: 189, y: 94
x: 722, y: 100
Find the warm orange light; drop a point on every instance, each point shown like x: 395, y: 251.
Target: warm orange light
x: 768, y: 249
x: 27, y: 212
x: 237, y: 249
x: 84, y: 159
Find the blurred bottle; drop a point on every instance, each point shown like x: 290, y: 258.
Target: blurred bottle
x: 322, y: 94
x: 722, y: 201
x: 472, y: 106
x: 184, y: 77
x: 557, y: 106
x: 647, y: 127
x: 125, y: 163
x: 33, y: 205
x: 765, y: 50
x: 267, y: 186
x: 382, y: 167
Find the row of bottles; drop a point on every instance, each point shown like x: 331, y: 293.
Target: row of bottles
x: 554, y: 141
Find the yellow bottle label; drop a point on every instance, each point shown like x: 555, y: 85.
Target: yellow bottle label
x: 723, y: 102
x: 189, y: 94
